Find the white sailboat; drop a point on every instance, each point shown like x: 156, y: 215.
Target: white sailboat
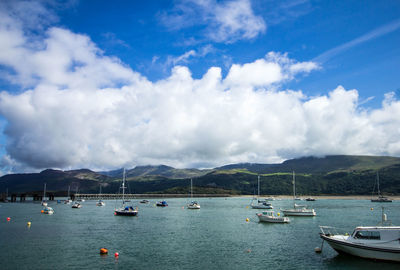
x: 44, y: 203
x: 298, y: 210
x: 380, y: 198
x: 260, y: 204
x: 125, y: 210
x: 68, y: 200
x: 193, y: 204
x: 100, y: 202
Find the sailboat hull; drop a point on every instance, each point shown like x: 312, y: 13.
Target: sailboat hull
x: 126, y: 213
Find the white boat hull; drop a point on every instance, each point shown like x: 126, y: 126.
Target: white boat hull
x: 299, y: 212
x: 193, y: 206
x: 272, y: 219
x: 363, y: 251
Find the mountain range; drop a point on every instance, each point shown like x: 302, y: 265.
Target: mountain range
x: 330, y: 175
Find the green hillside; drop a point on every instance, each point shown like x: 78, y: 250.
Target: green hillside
x: 334, y: 175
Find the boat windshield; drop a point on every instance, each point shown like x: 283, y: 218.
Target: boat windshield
x: 368, y: 235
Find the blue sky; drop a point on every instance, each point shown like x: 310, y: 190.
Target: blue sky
x: 196, y: 83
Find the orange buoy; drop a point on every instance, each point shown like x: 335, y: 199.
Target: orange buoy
x: 42, y: 211
x: 116, y: 254
x: 8, y: 219
x: 103, y: 251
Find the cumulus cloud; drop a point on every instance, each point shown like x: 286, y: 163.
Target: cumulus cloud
x: 228, y: 21
x: 80, y: 108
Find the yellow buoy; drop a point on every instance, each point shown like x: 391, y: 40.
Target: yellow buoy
x: 29, y: 223
x: 278, y: 214
x: 103, y: 251
x: 247, y: 206
x: 372, y: 208
x: 247, y: 219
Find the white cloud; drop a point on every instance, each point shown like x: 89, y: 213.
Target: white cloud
x: 84, y: 109
x: 228, y: 21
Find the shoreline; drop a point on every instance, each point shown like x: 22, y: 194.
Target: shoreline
x: 323, y: 197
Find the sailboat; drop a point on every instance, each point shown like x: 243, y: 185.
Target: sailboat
x: 44, y: 203
x: 100, y: 202
x: 380, y: 198
x: 298, y: 210
x: 193, y: 204
x: 125, y: 210
x: 260, y: 204
x: 68, y: 200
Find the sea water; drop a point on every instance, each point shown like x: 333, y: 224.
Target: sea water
x: 215, y: 237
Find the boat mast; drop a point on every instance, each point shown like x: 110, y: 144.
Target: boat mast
x: 123, y: 188
x: 191, y: 188
x: 377, y: 179
x: 294, y: 186
x: 258, y: 187
x: 44, y: 192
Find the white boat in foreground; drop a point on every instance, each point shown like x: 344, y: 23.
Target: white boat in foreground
x: 298, y: 210
x: 378, y: 243
x: 269, y: 216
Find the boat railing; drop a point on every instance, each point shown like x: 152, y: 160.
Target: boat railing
x: 331, y: 231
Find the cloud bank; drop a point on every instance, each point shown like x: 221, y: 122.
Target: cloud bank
x: 79, y: 108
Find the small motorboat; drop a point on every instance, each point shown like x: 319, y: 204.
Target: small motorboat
x: 310, y: 199
x: 48, y: 210
x: 299, y: 210
x: 76, y: 205
x: 100, y: 203
x: 162, y: 204
x: 144, y: 201
x: 44, y: 203
x: 269, y: 216
x: 379, y: 242
x: 193, y: 205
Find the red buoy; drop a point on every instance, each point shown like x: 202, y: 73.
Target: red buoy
x: 8, y: 219
x: 116, y: 254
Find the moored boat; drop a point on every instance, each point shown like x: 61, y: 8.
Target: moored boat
x: 76, y: 205
x: 125, y: 210
x: 100, y: 203
x: 193, y: 204
x: 269, y: 216
x: 162, y: 204
x: 380, y: 197
x: 258, y: 203
x: 370, y: 242
x: 298, y: 210
x: 48, y: 210
x: 144, y: 201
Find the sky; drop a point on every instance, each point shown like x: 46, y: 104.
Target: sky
x: 197, y: 83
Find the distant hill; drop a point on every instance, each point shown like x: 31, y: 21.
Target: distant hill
x: 335, y: 175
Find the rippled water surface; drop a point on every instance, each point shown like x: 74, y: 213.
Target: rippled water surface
x: 215, y: 237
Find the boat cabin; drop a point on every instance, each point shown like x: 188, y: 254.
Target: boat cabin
x: 377, y: 233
